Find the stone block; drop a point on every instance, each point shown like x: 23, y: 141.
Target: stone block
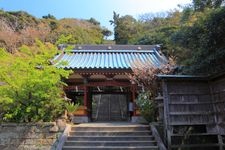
x: 138, y: 119
x: 80, y: 119
x: 27, y: 136
x: 61, y: 123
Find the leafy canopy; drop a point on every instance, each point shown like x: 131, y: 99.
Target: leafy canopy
x: 193, y: 36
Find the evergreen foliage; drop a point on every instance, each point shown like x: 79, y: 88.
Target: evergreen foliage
x: 205, y: 42
x: 194, y: 36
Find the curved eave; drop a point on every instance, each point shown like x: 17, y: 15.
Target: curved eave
x: 96, y: 59
x: 102, y: 71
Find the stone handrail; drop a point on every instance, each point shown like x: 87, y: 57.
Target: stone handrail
x: 63, y: 137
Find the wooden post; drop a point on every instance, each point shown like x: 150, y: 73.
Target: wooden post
x: 159, y: 102
x: 85, y: 80
x: 87, y: 101
x: 85, y: 96
x: 166, y: 100
x: 133, y: 89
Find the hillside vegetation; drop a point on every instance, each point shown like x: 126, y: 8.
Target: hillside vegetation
x: 18, y: 28
x: 195, y: 37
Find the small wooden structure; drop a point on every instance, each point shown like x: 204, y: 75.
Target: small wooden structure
x: 194, y: 112
x: 100, y: 82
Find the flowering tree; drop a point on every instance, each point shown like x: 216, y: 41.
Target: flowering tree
x: 146, y: 77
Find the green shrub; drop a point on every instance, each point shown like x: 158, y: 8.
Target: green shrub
x: 147, y: 106
x: 31, y: 88
x: 71, y: 107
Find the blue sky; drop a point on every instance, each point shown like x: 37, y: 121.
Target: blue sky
x: 102, y: 10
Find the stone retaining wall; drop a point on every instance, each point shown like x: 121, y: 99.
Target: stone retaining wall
x: 39, y: 136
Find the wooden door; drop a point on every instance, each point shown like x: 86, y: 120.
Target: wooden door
x: 109, y: 107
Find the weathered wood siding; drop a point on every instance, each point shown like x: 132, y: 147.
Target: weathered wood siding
x: 194, y: 113
x: 218, y: 96
x: 189, y: 102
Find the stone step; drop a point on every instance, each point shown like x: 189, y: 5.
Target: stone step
x: 108, y: 133
x: 141, y: 128
x: 110, y: 143
x: 111, y: 119
x: 110, y: 148
x: 110, y: 138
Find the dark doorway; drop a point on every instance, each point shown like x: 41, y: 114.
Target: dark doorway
x: 109, y: 107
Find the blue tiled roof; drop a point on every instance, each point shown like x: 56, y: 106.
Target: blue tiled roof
x: 109, y: 59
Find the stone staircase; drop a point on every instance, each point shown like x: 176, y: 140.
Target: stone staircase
x: 110, y: 136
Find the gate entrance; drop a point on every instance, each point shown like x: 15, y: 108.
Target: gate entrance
x: 109, y: 107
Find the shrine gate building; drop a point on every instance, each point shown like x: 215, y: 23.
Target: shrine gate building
x: 100, y: 82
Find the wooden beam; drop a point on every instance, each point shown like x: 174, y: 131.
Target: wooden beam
x: 99, y: 83
x: 74, y: 87
x: 108, y: 83
x: 108, y: 92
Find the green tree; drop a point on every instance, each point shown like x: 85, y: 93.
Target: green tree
x: 49, y: 16
x: 157, y: 29
x: 31, y: 87
x: 204, y: 41
x: 65, y: 39
x: 106, y: 32
x: 125, y: 28
x: 94, y: 21
x: 200, y: 5
x: 78, y: 31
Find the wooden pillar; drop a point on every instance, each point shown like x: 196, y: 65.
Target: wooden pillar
x: 167, y: 126
x: 87, y: 102
x: 85, y: 80
x: 159, y: 102
x: 133, y: 90
x: 85, y: 96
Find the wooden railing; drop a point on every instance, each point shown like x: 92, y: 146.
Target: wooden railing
x: 156, y: 135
